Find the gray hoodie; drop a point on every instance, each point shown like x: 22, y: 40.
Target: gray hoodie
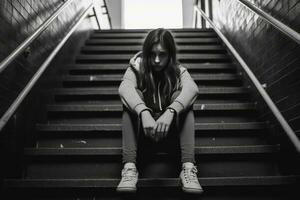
x: 131, y: 99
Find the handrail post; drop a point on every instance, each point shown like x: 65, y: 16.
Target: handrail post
x: 195, y: 13
x: 210, y: 10
x: 96, y: 17
x: 107, y: 14
x: 203, y: 21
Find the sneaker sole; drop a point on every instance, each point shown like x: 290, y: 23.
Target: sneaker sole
x: 193, y: 191
x: 127, y: 190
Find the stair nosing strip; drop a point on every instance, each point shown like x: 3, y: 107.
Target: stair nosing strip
x: 123, y: 67
x: 114, y: 91
x: 119, y: 107
x: 117, y: 151
x: 159, y: 182
x: 103, y: 78
x: 118, y: 127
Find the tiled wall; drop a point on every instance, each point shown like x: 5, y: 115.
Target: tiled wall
x: 272, y: 57
x: 18, y: 20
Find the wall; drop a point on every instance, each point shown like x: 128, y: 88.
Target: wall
x: 116, y: 13
x: 18, y: 19
x: 187, y: 13
x: 272, y: 57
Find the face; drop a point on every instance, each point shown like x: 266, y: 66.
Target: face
x: 159, y: 57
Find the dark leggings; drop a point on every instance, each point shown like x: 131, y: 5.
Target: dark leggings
x: 182, y: 129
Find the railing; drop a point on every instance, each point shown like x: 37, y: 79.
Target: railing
x: 11, y: 110
x: 286, y: 127
x: 278, y: 24
x: 32, y: 37
x: 103, y: 13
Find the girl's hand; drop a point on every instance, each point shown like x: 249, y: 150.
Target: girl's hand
x: 163, y: 124
x: 149, y: 124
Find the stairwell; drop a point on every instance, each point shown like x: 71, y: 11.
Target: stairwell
x: 77, y: 152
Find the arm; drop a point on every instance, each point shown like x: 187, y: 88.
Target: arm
x: 129, y: 96
x: 188, y: 94
x: 133, y: 101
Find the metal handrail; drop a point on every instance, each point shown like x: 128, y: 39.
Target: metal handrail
x: 276, y: 23
x: 286, y: 127
x: 32, y: 37
x: 38, y: 74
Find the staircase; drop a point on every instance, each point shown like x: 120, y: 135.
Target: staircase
x: 77, y: 152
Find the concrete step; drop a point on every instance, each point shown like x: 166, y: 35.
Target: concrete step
x: 94, y: 69
x: 118, y: 150
x: 118, y: 102
x: 115, y: 80
x: 245, y: 192
x: 198, y: 34
x: 185, y: 30
x: 85, y: 139
x: 122, y: 67
x: 88, y: 94
x: 117, y: 126
x: 233, y: 161
x: 124, y: 58
x: 118, y: 77
x: 179, y: 41
x: 151, y: 183
x: 136, y: 48
x: 206, y: 117
x: 110, y: 166
x: 114, y: 91
x: 119, y: 108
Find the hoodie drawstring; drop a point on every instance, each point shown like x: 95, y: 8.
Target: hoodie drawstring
x: 159, y: 99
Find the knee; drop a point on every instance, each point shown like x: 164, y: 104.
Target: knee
x: 190, y: 113
x: 186, y: 115
x: 129, y: 117
x: 175, y: 95
x: 126, y: 114
x: 189, y: 116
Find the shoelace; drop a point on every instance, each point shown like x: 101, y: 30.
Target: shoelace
x: 128, y: 174
x: 190, y: 174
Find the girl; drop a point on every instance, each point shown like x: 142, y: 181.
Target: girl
x: 158, y: 94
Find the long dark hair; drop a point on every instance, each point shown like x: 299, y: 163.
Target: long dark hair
x: 170, y: 75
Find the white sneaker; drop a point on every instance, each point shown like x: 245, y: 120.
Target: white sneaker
x: 129, y: 178
x: 189, y: 179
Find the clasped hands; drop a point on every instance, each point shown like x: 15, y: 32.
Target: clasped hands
x: 158, y: 129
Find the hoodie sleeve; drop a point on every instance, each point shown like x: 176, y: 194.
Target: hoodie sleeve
x: 188, y: 94
x: 128, y: 94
